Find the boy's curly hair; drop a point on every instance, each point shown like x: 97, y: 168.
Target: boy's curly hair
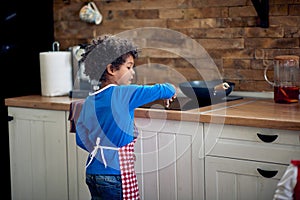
x: 105, y: 50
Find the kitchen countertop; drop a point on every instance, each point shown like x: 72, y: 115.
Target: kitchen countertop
x: 256, y: 112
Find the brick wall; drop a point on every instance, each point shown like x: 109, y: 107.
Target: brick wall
x: 227, y: 30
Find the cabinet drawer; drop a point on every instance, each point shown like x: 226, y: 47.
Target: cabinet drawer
x: 262, y: 144
x: 239, y: 179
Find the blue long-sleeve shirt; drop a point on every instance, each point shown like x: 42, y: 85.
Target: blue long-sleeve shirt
x: 109, y: 115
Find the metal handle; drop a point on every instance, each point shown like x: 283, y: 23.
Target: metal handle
x: 267, y: 173
x: 55, y: 44
x: 267, y: 138
x: 10, y: 118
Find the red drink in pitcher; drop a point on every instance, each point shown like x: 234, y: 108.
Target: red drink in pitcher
x: 286, y: 94
x: 286, y: 79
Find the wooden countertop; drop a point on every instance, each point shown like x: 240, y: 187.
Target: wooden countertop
x: 255, y: 112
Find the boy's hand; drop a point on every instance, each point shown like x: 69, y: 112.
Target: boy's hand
x: 168, y: 102
x: 222, y: 86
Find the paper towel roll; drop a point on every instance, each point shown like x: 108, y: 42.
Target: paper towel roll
x: 56, y: 73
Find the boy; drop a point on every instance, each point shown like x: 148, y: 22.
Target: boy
x: 105, y: 127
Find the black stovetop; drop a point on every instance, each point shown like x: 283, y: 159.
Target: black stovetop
x: 185, y: 103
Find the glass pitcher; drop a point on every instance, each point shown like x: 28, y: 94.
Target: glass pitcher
x: 286, y: 78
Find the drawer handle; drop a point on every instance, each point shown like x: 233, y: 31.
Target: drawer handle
x: 10, y: 118
x: 267, y: 138
x: 266, y: 173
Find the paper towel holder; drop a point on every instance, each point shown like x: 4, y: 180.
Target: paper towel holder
x: 55, y: 46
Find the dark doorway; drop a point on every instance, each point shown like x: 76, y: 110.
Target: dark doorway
x: 26, y: 29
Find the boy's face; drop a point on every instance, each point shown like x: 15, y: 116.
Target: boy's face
x: 125, y: 74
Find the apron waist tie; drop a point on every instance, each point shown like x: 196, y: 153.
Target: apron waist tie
x: 94, y: 152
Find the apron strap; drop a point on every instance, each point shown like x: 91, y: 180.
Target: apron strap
x: 95, y: 150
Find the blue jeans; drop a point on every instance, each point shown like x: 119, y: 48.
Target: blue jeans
x: 103, y: 187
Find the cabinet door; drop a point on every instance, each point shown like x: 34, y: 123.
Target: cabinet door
x: 169, y: 159
x: 239, y: 179
x: 38, y: 156
x: 77, y: 157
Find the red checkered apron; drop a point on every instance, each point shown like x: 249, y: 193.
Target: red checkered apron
x: 130, y: 187
x: 129, y: 181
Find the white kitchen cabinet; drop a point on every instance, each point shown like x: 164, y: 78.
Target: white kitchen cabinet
x: 38, y: 154
x: 46, y: 163
x: 169, y: 159
x: 246, y: 162
x: 239, y: 179
x: 77, y: 157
